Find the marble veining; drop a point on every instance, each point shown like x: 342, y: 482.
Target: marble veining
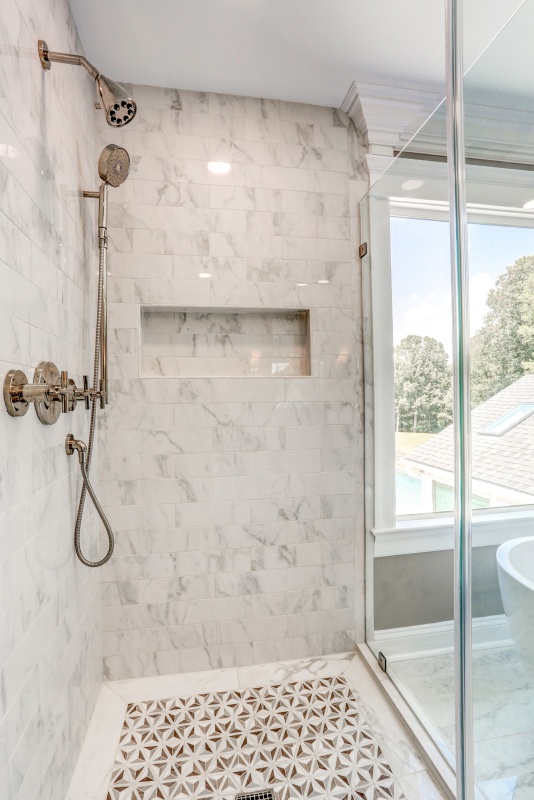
x: 50, y: 645
x: 236, y: 499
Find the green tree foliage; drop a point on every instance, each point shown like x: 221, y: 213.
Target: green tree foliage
x: 423, y: 385
x: 503, y: 350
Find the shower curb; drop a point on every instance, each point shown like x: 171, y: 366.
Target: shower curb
x: 438, y: 765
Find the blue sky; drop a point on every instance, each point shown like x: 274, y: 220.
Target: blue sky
x: 421, y: 272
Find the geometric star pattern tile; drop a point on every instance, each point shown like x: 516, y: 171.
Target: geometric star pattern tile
x: 306, y: 739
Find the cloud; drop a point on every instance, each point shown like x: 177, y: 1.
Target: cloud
x: 431, y: 314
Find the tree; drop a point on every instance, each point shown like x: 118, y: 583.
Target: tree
x: 503, y: 350
x: 423, y: 385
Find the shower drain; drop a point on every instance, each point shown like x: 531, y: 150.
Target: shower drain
x: 264, y: 794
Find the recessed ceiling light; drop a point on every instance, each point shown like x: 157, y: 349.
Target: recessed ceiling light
x: 409, y: 186
x: 529, y: 204
x: 204, y: 274
x: 323, y: 280
x: 302, y: 284
x: 219, y: 167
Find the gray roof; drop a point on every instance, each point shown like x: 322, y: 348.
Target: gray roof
x: 506, y: 460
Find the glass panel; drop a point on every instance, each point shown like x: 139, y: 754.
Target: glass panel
x: 408, y: 329
x: 499, y: 120
x: 409, y: 340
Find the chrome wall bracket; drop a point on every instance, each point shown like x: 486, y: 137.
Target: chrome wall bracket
x: 52, y: 392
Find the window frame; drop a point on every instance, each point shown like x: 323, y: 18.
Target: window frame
x: 392, y: 534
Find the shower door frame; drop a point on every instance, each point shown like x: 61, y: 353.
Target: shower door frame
x: 379, y: 418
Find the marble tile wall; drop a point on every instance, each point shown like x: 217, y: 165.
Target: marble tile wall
x: 50, y: 640
x: 237, y: 501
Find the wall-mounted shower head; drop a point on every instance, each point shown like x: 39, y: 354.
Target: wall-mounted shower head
x: 114, y: 165
x: 119, y: 107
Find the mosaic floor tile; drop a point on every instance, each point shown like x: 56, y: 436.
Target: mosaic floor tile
x: 306, y: 739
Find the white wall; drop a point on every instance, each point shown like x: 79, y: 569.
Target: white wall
x: 50, y: 644
x: 236, y: 501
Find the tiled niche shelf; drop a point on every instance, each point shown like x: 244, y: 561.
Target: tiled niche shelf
x: 223, y: 342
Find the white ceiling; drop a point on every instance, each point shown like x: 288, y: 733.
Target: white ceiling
x: 300, y: 50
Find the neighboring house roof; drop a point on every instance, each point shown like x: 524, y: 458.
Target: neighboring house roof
x: 506, y: 460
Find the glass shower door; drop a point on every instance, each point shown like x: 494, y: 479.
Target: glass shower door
x: 499, y: 132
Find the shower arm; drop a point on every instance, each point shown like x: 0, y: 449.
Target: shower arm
x: 102, y: 196
x: 47, y: 56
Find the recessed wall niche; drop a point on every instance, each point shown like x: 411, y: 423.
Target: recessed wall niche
x: 222, y: 342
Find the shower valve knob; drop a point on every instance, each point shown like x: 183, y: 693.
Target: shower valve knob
x: 86, y: 392
x: 64, y: 391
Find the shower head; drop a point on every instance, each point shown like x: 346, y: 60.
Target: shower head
x: 119, y: 107
x: 114, y: 165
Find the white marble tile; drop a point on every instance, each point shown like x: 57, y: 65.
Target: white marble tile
x: 161, y: 686
x: 396, y: 743
x: 51, y: 650
x: 421, y: 786
x: 93, y: 769
x: 297, y: 670
x: 245, y: 461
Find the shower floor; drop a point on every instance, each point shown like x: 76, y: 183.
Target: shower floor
x: 316, y: 728
x: 503, y: 714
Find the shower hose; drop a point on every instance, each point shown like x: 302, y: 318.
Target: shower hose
x: 85, y: 456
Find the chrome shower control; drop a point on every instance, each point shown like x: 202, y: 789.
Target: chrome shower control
x: 47, y: 392
x: 86, y: 392
x: 14, y: 383
x: 64, y: 391
x: 51, y: 392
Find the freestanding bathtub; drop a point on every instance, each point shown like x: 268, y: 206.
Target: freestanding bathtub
x: 515, y: 567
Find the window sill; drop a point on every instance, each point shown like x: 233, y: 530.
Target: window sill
x: 428, y: 535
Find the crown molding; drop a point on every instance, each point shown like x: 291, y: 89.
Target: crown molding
x: 385, y: 114
x: 387, y: 117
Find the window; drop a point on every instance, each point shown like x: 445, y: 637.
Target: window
x: 501, y: 260
x: 444, y: 498
x: 509, y: 420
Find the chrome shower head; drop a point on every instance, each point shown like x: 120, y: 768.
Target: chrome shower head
x: 119, y: 107
x: 114, y: 165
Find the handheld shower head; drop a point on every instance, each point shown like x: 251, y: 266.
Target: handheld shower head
x: 119, y: 107
x: 114, y: 165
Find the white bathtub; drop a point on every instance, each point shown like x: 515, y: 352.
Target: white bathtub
x: 515, y: 567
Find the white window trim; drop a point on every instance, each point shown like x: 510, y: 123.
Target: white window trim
x: 391, y: 535
x: 429, y: 534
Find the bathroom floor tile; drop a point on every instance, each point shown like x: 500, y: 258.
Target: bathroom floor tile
x: 301, y: 739
x: 504, y: 757
x: 503, y: 712
x: 513, y: 787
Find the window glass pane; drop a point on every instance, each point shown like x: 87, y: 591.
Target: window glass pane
x: 501, y: 259
x: 422, y: 326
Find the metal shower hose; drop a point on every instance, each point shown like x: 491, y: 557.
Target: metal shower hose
x: 85, y: 465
